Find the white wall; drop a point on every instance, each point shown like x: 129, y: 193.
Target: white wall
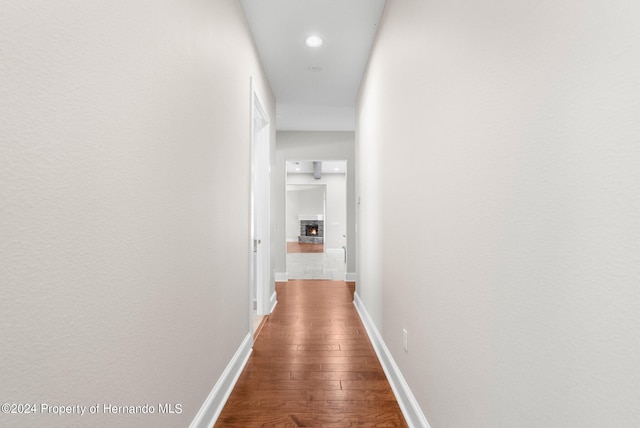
x: 310, y: 145
x: 509, y: 132
x: 335, y: 210
x: 125, y: 166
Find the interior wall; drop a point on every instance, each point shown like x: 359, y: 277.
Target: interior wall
x: 125, y: 171
x: 310, y: 145
x: 498, y: 175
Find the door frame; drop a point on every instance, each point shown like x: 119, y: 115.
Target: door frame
x: 260, y: 233
x: 327, y: 218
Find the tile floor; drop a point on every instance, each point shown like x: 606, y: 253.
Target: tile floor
x: 316, y: 266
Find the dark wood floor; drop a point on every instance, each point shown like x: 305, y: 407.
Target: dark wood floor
x: 312, y: 366
x: 301, y: 247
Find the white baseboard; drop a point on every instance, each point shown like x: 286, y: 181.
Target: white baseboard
x: 281, y: 276
x: 350, y: 277
x: 408, y: 404
x: 273, y: 302
x: 211, y: 408
x: 334, y: 251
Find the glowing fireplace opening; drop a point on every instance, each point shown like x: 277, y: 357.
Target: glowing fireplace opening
x: 311, y: 230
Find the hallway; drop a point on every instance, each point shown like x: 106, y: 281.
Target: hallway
x: 312, y: 365
x: 492, y: 212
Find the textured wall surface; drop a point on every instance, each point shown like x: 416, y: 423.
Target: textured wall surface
x: 124, y: 204
x: 508, y: 133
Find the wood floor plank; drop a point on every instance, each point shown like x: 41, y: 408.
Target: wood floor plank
x: 312, y: 365
x: 324, y: 353
x: 301, y: 385
x: 349, y: 395
x: 313, y: 359
x: 303, y: 247
x: 370, y: 376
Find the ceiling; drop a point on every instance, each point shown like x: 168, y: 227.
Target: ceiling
x: 306, y: 167
x: 315, y: 88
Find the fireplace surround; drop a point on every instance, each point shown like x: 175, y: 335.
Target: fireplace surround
x: 311, y: 231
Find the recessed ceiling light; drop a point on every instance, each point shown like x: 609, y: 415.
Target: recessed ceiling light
x: 314, y: 41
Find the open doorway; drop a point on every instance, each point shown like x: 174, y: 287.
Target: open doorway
x: 316, y: 219
x: 260, y: 213
x: 305, y: 218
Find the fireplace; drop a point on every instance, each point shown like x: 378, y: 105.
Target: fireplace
x: 311, y: 231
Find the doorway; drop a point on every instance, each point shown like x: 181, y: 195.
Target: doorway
x: 260, y: 276
x: 316, y: 219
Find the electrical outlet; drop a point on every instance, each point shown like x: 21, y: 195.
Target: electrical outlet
x: 405, y: 340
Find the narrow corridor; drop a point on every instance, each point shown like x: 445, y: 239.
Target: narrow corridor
x: 312, y: 365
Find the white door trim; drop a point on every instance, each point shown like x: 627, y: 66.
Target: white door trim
x: 260, y: 204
